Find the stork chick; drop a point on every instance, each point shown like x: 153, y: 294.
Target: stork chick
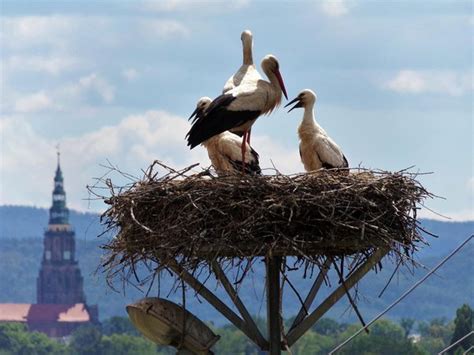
x: 317, y: 149
x: 224, y: 149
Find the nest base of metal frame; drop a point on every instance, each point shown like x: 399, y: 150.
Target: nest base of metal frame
x: 277, y: 340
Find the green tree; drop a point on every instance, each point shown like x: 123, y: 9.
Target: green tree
x: 462, y: 326
x: 16, y: 339
x: 435, y: 335
x: 119, y: 325
x: 123, y: 344
x: 314, y: 343
x: 234, y: 342
x: 407, y: 325
x: 386, y: 337
x: 327, y: 326
x: 86, y: 340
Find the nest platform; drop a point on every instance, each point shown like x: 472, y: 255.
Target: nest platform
x: 193, y: 217
x: 184, y: 222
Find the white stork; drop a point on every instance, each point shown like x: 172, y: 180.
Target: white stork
x: 240, y: 107
x: 317, y: 149
x: 247, y: 71
x: 224, y: 149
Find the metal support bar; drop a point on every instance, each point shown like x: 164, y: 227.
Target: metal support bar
x: 211, y: 298
x: 296, y: 333
x: 257, y: 337
x: 311, y: 294
x: 272, y: 265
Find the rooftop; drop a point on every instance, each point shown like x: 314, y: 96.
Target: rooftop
x: 26, y: 312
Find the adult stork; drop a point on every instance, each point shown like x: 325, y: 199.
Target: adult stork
x: 224, y: 148
x: 317, y: 149
x: 240, y: 107
x: 247, y: 71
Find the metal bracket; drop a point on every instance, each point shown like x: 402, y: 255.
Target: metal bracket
x: 295, y: 333
x: 257, y: 336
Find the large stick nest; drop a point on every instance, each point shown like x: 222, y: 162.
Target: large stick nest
x: 196, y: 217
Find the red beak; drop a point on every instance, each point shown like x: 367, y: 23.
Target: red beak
x: 282, y: 84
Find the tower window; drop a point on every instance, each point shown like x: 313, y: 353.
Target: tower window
x: 67, y: 255
x: 58, y: 197
x: 47, y: 254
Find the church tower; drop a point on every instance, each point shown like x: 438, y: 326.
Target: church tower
x: 60, y: 280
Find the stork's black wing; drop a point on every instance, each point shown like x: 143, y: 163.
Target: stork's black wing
x: 346, y: 163
x: 217, y: 119
x: 251, y: 168
x: 330, y: 166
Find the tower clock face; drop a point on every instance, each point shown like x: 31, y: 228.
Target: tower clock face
x: 47, y: 255
x: 67, y: 255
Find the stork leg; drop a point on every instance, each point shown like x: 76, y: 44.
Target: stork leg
x: 243, y: 148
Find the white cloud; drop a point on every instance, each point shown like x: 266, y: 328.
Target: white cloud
x: 192, y: 5
x: 26, y: 31
x: 163, y: 29
x: 48, y: 64
x: 28, y: 158
x: 437, y: 82
x: 274, y: 155
x: 454, y: 216
x: 334, y: 8
x: 130, y: 74
x: 33, y: 103
x: 96, y: 84
x: 23, y: 163
x: 86, y: 93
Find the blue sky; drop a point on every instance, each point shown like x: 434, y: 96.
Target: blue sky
x: 116, y: 80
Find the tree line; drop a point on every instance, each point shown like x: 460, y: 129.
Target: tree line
x: 117, y: 336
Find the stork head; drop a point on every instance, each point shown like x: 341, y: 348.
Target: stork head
x: 305, y: 98
x: 246, y: 37
x: 270, y: 65
x: 201, y: 106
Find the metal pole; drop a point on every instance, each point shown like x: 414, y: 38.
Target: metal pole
x: 272, y: 264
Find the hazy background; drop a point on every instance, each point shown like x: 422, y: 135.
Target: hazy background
x: 117, y: 80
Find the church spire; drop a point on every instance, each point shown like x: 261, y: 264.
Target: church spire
x: 58, y: 213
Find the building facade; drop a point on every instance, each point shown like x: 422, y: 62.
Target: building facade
x: 61, y: 303
x: 59, y: 280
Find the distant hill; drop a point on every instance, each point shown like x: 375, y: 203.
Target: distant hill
x: 21, y: 233
x: 20, y: 222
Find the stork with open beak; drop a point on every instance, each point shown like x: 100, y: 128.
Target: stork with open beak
x: 224, y: 149
x: 317, y: 149
x: 240, y: 107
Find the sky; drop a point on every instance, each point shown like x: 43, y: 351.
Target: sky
x: 114, y: 81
